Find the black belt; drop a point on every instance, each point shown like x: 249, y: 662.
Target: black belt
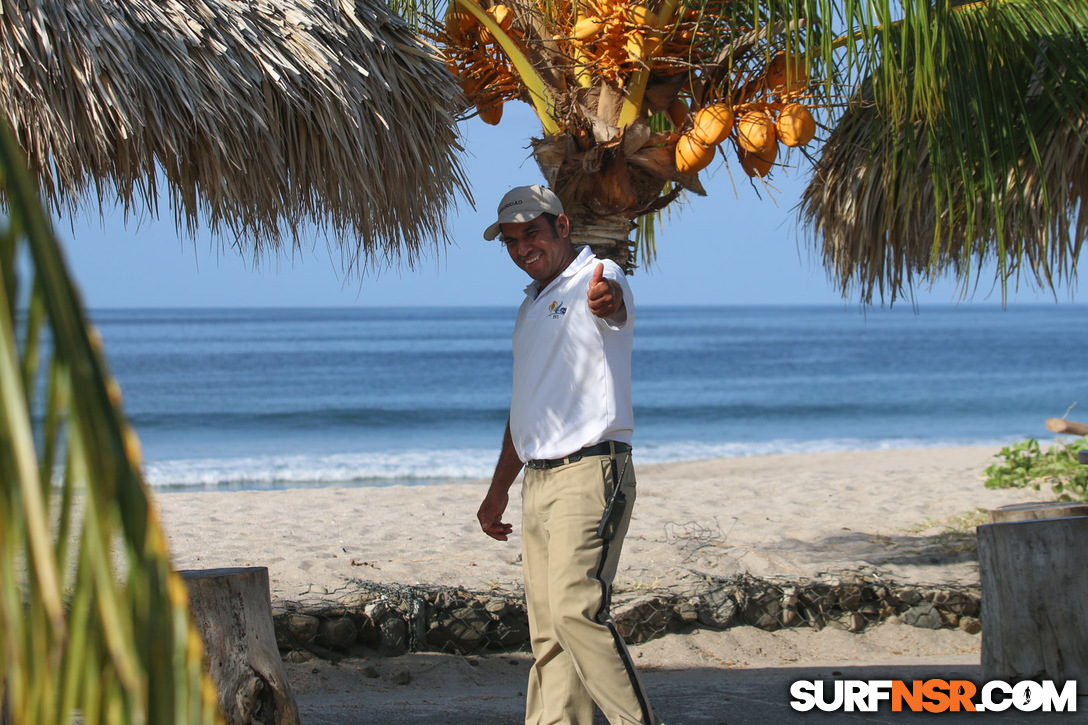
x: 601, y: 449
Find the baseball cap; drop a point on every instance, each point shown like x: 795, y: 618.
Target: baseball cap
x: 523, y: 204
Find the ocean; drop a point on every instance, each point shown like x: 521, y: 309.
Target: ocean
x: 278, y: 398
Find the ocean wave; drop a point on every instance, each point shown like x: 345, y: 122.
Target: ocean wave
x: 420, y: 467
x: 274, y: 471
x: 697, y: 450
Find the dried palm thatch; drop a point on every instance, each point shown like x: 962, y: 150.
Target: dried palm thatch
x: 882, y: 231
x: 260, y: 117
x: 995, y: 172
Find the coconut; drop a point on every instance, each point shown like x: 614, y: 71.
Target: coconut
x: 458, y: 21
x: 758, y: 164
x: 692, y: 155
x: 586, y: 29
x: 641, y: 15
x: 491, y: 114
x: 785, y: 74
x: 677, y: 113
x: 755, y: 132
x: 713, y: 124
x: 501, y: 15
x: 795, y: 126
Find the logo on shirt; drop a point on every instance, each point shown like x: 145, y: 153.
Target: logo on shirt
x: 556, y: 309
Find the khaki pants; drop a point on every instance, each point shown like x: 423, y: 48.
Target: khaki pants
x: 580, y: 657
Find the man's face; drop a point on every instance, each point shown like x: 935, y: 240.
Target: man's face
x: 538, y: 249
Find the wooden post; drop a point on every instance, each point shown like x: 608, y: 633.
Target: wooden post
x: 232, y: 609
x: 1034, y: 589
x: 1035, y: 510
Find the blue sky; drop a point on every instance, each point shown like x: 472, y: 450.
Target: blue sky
x: 735, y: 246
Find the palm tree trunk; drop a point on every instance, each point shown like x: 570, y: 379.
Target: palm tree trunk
x: 608, y: 236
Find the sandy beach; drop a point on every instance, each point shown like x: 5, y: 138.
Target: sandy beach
x: 902, y: 515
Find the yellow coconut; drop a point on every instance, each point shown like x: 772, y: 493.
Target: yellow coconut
x: 758, y: 164
x: 586, y: 29
x: 755, y: 132
x: 458, y: 21
x: 677, y: 113
x: 491, y: 114
x: 641, y: 15
x: 692, y: 155
x: 501, y: 15
x: 785, y: 74
x: 795, y: 126
x: 713, y: 124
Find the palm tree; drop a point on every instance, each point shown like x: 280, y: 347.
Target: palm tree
x: 956, y: 129
x: 93, y: 620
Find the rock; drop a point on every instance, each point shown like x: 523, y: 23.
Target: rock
x: 371, y: 672
x: 764, y: 609
x: 971, y: 625
x: 908, y: 595
x: 849, y: 597
x: 461, y: 630
x: 297, y: 656
x: 393, y: 641
x: 300, y: 628
x: 402, y: 677
x: 392, y: 629
x: 853, y: 621
x: 643, y: 620
x: 337, y: 633
x: 512, y: 630
x: 687, y: 611
x: 716, y: 608
x: 923, y: 616
x: 791, y: 617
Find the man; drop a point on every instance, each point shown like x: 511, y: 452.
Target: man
x: 570, y: 425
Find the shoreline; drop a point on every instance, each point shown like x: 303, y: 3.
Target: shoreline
x: 385, y: 468
x: 887, y: 513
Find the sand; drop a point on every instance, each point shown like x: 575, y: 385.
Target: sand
x: 902, y: 515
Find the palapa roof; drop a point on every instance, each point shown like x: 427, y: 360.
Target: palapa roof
x: 871, y: 205
x: 965, y: 171
x: 255, y: 117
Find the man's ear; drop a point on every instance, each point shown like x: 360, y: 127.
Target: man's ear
x: 562, y: 226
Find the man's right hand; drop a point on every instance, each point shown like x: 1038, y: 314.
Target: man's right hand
x: 490, y: 515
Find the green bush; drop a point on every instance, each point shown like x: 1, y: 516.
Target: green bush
x: 1024, y: 464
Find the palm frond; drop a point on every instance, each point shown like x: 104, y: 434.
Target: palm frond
x: 98, y: 633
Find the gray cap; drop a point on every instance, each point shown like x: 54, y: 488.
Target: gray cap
x: 523, y: 204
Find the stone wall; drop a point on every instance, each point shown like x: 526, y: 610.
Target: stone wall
x: 393, y: 620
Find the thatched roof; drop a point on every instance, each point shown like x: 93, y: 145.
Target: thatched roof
x: 871, y: 204
x: 260, y: 118
x: 991, y: 174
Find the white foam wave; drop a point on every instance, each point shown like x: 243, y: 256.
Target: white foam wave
x: 361, y: 468
x: 434, y: 466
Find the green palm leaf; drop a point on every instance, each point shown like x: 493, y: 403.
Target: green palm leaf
x: 104, y: 631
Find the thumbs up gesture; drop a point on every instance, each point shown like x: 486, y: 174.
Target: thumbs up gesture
x: 605, y: 296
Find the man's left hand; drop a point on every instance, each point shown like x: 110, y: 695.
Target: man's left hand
x: 605, y: 296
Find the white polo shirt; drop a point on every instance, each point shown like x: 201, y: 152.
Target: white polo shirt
x: 572, y: 370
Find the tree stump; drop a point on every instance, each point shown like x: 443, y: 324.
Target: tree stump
x: 1034, y: 589
x: 233, y: 611
x: 1034, y: 510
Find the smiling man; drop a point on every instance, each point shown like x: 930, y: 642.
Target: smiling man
x: 570, y: 426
